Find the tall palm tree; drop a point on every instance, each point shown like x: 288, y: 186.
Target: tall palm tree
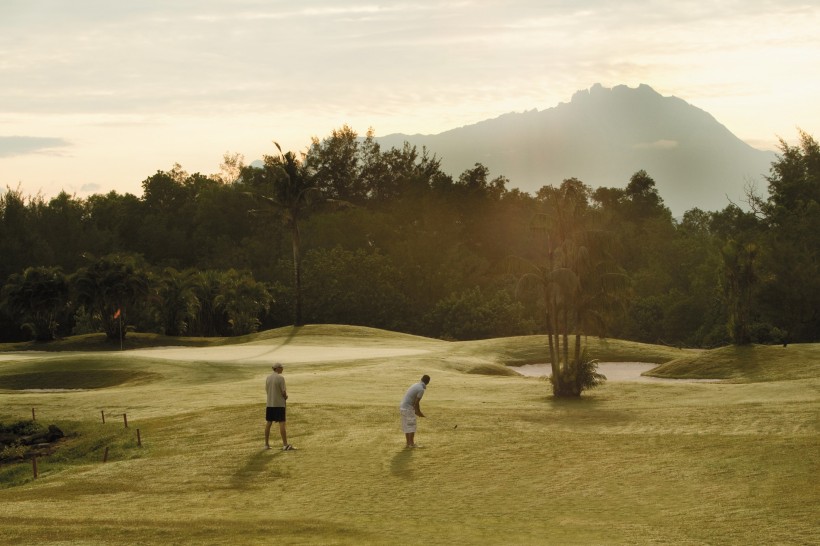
x: 578, y: 285
x: 739, y: 280
x: 285, y: 186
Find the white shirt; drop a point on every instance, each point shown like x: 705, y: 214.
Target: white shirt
x: 412, y: 395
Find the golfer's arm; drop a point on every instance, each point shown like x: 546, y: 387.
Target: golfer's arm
x: 417, y: 408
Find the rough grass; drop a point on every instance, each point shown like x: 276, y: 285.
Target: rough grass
x: 502, y: 463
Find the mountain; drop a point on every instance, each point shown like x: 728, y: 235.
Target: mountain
x: 602, y: 137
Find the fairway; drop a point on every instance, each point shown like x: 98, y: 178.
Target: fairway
x: 502, y: 462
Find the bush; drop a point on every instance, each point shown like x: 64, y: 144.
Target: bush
x: 473, y: 314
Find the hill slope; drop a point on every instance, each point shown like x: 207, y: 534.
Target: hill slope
x: 602, y: 137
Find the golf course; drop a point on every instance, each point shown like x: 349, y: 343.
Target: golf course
x: 733, y: 460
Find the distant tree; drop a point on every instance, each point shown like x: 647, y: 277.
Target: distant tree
x: 355, y: 287
x: 243, y: 299
x: 36, y: 298
x: 335, y: 164
x: 477, y: 314
x: 230, y: 170
x: 109, y: 288
x: 790, y: 254
x: 20, y: 245
x: 397, y: 173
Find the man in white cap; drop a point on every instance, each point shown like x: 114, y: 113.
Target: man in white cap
x: 275, y: 410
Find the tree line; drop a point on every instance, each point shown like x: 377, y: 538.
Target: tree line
x: 349, y: 233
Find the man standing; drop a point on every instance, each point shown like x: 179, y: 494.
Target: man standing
x: 275, y: 410
x: 410, y: 407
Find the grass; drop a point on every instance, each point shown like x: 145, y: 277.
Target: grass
x: 747, y: 363
x: 503, y: 462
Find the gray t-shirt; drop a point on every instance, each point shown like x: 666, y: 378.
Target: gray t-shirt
x: 413, y: 394
x: 275, y: 385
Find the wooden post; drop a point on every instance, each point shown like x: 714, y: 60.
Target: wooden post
x: 139, y: 440
x: 105, y: 455
x: 102, y: 412
x: 125, y: 420
x: 33, y: 418
x: 34, y: 465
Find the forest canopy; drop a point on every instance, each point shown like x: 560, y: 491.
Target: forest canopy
x: 350, y: 233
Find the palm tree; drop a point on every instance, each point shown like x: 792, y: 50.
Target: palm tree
x: 286, y: 187
x: 108, y: 288
x: 178, y: 302
x: 578, y: 285
x: 739, y: 280
x: 210, y: 318
x: 36, y: 297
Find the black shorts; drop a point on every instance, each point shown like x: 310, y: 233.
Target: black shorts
x: 275, y: 414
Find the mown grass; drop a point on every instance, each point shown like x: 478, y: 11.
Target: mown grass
x: 747, y: 363
x: 502, y: 463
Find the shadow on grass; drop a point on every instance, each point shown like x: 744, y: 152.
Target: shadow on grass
x: 74, y: 379
x: 256, y: 465
x: 400, y: 465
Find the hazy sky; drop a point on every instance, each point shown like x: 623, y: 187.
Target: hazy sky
x: 98, y: 95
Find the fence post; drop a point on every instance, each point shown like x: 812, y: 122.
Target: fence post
x: 102, y: 413
x: 34, y: 465
x: 33, y: 418
x: 139, y: 441
x: 125, y: 420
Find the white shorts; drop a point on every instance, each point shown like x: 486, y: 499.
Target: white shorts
x: 408, y: 420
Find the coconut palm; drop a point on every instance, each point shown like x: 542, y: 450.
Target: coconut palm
x: 739, y: 280
x: 284, y: 185
x: 210, y: 318
x: 108, y: 288
x: 36, y: 298
x: 178, y: 303
x: 578, y: 286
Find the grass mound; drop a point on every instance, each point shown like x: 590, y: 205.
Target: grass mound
x: 71, y: 379
x: 520, y: 350
x: 311, y: 333
x: 99, y: 342
x: 748, y: 363
x: 330, y: 333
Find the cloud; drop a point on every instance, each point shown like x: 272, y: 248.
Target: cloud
x: 657, y: 145
x: 11, y: 146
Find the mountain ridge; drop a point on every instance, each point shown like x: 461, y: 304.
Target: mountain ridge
x: 602, y: 136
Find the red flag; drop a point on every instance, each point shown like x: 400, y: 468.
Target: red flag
x: 117, y: 314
